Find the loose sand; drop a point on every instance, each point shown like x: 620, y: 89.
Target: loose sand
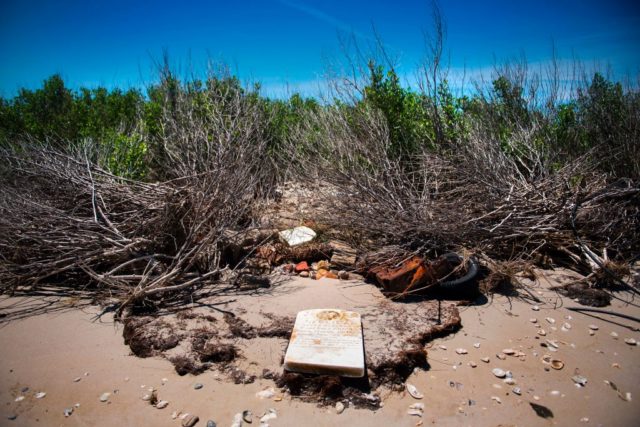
x: 46, y: 352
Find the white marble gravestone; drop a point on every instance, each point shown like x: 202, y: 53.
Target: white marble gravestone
x: 326, y: 341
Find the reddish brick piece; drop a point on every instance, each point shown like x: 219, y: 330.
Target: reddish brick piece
x: 302, y: 266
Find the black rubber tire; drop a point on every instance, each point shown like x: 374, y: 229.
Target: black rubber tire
x: 460, y: 283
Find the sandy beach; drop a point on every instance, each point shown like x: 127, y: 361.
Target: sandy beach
x: 75, y: 360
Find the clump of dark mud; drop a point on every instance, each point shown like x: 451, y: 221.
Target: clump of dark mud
x: 585, y: 294
x: 328, y: 389
x: 280, y: 327
x: 217, y: 352
x: 149, y: 337
x: 185, y: 365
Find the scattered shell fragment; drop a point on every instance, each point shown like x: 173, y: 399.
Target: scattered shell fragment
x: 509, y: 351
x: 476, y: 345
x: 501, y: 356
x: 509, y: 381
x: 104, y: 397
x: 566, y: 327
x: 584, y: 420
x: 592, y: 333
x: 146, y: 397
x: 417, y: 409
x: 270, y: 414
x: 550, y: 320
x: 579, y: 380
x: 67, y: 412
x: 533, y: 320
x: 499, y: 372
x: 237, y: 420
x: 473, y: 364
x: 557, y: 364
x: 535, y: 308
x: 594, y: 327
x: 631, y: 341
x: 485, y: 359
x: 614, y: 335
x: 554, y: 393
x: 339, y: 408
x: 552, y: 343
x: 266, y: 394
x: 517, y: 390
x: 542, y: 332
x: 413, y: 391
x: 626, y: 397
x: 19, y: 399
x: 162, y: 404
x: 175, y: 414
x: 192, y: 420
x: 40, y: 395
x: 615, y: 365
x: 442, y: 347
x: 198, y: 386
x: 461, y: 351
x: 496, y: 398
x: 247, y: 416
x: 75, y: 380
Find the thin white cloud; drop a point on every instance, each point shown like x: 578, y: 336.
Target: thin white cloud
x: 324, y: 17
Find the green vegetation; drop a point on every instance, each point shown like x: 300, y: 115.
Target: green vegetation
x: 129, y: 127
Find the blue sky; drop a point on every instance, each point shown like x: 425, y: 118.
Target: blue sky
x: 286, y: 43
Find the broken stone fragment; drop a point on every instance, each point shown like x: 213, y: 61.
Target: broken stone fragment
x: 343, y: 255
x: 302, y: 266
x: 297, y: 236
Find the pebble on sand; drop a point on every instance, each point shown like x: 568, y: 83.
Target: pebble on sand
x: 461, y: 351
x: 68, y: 411
x: 594, y: 327
x: 499, y: 373
x: 162, y: 404
x: 40, y: 395
x: 104, y: 397
x: 339, y: 408
x: 197, y: 386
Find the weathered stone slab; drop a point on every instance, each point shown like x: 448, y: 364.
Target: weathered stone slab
x: 326, y: 341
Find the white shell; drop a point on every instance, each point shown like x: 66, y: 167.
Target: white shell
x: 270, y: 415
x: 40, y: 395
x: 339, y: 408
x: 266, y: 394
x: 162, y: 404
x: 104, y: 397
x: 631, y: 341
x: 509, y: 351
x: 594, y: 327
x: 413, y: 391
x: 461, y: 351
